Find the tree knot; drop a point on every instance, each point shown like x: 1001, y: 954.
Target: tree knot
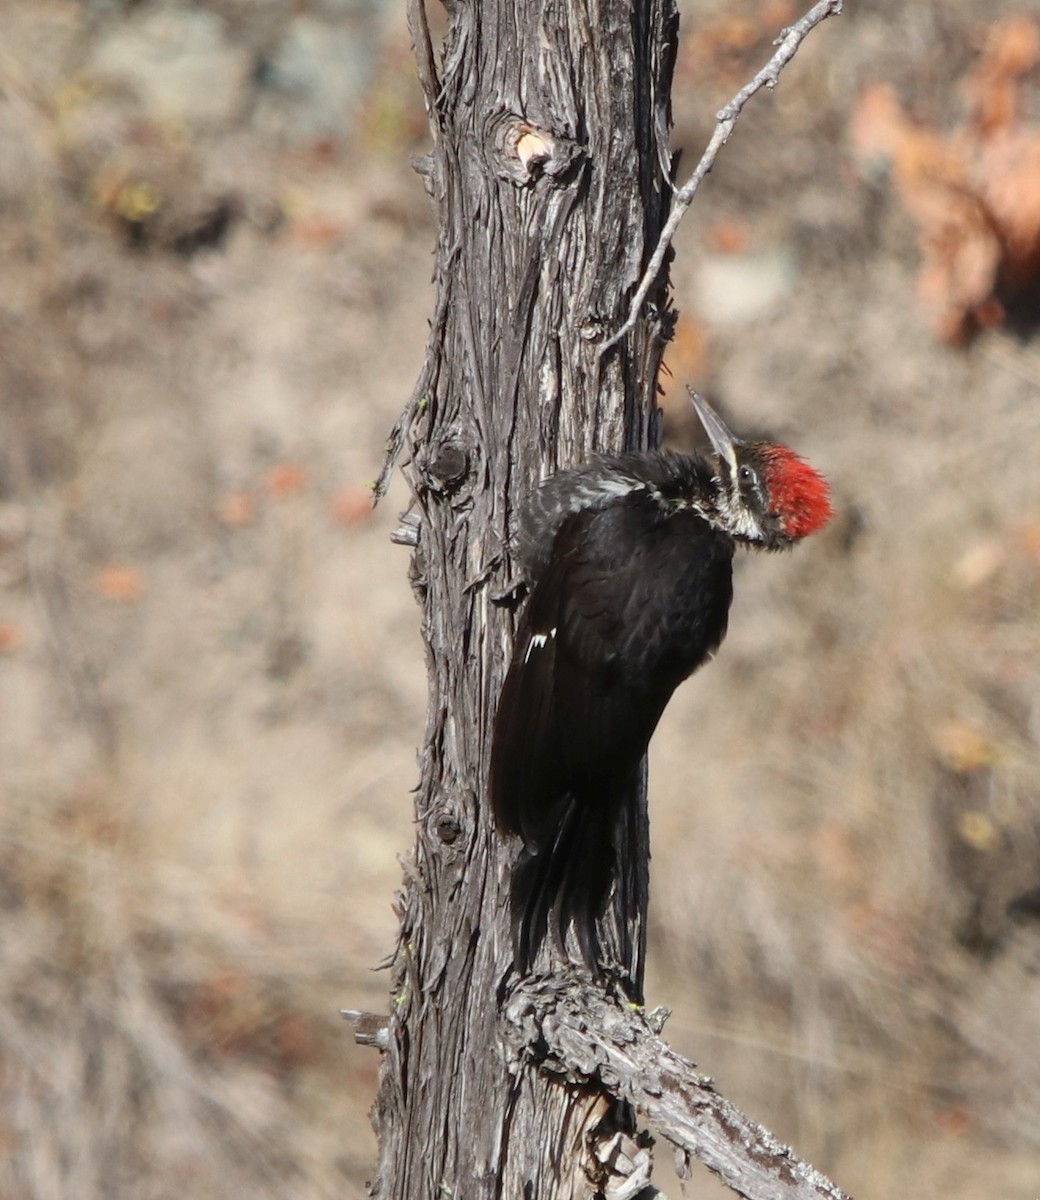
x: 523, y: 152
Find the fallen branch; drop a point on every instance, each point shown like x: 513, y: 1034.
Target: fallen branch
x: 586, y: 1036
x: 787, y: 46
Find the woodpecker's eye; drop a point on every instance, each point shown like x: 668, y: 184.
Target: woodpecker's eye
x: 745, y: 474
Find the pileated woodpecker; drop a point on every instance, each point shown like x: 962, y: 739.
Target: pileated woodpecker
x: 629, y: 560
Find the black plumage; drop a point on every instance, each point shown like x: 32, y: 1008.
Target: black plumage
x: 629, y: 562
x: 595, y: 664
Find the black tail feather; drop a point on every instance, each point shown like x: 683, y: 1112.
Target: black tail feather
x: 565, y: 885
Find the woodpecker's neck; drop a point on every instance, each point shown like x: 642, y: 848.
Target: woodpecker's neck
x: 727, y: 512
x: 669, y: 481
x: 759, y: 494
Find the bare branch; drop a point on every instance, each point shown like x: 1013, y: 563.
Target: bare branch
x: 370, y: 1029
x: 573, y: 1030
x: 726, y: 118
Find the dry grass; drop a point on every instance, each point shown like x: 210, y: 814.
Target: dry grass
x: 211, y: 681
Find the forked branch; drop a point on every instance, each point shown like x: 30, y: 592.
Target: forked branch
x: 725, y: 119
x: 583, y: 1035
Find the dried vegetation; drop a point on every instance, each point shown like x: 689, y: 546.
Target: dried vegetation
x: 210, y: 681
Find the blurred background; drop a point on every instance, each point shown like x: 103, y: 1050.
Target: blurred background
x: 215, y: 289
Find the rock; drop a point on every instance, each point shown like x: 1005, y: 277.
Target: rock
x: 735, y: 289
x: 178, y: 63
x: 313, y: 82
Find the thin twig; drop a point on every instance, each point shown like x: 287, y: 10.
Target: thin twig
x: 787, y: 45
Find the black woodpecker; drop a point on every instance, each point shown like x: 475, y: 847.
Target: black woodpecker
x: 629, y: 563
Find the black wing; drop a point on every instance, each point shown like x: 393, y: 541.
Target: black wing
x: 630, y: 602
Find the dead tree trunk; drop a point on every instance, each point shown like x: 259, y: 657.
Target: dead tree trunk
x: 549, y: 175
x: 550, y: 195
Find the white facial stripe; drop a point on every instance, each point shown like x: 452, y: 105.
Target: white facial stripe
x: 739, y: 520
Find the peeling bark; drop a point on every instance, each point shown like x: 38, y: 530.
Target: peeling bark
x: 585, y: 1037
x: 548, y: 120
x: 546, y: 176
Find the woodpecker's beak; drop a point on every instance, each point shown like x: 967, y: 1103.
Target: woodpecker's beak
x: 721, y: 438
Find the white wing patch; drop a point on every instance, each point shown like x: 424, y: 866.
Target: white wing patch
x: 537, y: 641
x: 590, y: 489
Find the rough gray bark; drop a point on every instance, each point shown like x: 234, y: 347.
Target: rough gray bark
x: 583, y: 1036
x: 550, y: 198
x: 548, y: 173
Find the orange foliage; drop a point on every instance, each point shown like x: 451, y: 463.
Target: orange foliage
x: 687, y: 362
x: 974, y: 193
x: 120, y: 581
x: 12, y: 636
x: 955, y: 1121
x: 351, y: 505
x: 286, y: 479
x: 319, y: 230
x: 722, y: 48
x: 727, y: 235
x: 236, y: 509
